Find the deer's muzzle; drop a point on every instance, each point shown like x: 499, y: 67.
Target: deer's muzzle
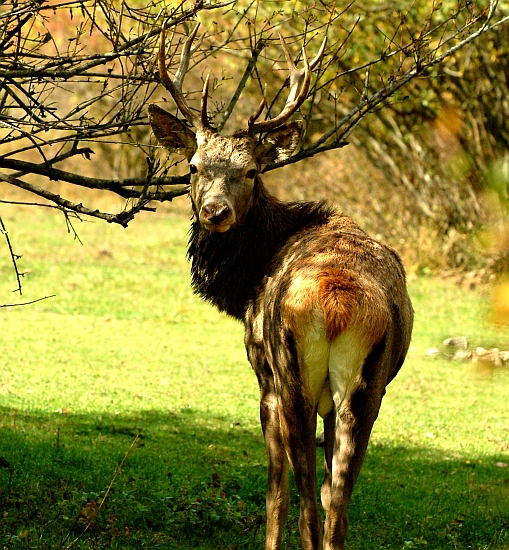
x: 217, y: 215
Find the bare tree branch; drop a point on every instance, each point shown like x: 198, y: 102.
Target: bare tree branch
x: 14, y: 257
x: 76, y: 78
x: 28, y: 303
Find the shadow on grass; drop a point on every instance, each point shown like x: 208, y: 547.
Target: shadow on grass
x: 194, y: 483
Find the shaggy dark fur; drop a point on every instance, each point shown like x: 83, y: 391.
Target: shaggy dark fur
x: 228, y: 268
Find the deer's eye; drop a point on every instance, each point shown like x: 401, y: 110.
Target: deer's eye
x: 193, y: 168
x: 251, y: 173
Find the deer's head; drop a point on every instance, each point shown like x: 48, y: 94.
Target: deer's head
x: 224, y: 169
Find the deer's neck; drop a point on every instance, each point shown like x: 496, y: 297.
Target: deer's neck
x: 228, y: 268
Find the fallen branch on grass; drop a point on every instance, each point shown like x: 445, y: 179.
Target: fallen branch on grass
x: 97, y: 509
x: 28, y: 303
x: 494, y: 356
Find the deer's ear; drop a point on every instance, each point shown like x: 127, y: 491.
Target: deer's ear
x: 171, y: 132
x: 279, y: 144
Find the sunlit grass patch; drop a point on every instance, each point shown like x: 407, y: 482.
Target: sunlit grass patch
x: 125, y: 352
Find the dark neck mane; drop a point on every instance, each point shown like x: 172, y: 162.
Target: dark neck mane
x: 227, y: 268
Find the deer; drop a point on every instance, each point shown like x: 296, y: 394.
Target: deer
x: 325, y: 307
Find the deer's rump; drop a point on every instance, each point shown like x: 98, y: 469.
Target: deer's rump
x: 333, y: 296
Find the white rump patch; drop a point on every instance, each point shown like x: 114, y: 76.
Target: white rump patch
x: 332, y: 372
x: 347, y: 356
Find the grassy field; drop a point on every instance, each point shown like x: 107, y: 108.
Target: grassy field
x: 125, y: 385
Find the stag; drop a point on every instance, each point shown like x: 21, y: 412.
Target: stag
x: 326, y: 312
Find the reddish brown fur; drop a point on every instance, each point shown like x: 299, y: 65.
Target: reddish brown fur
x: 338, y: 296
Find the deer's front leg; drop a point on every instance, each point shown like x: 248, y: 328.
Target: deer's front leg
x: 278, y: 488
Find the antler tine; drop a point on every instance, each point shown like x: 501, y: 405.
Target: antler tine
x: 296, y: 75
x: 299, y: 88
x: 185, y: 58
x: 204, y: 99
x: 257, y: 113
x: 175, y: 86
x: 319, y: 55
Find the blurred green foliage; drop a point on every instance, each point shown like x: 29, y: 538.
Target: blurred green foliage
x: 424, y: 158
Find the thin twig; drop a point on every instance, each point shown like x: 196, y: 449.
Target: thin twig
x: 22, y: 203
x: 242, y: 84
x: 28, y: 303
x: 14, y: 257
x: 70, y: 226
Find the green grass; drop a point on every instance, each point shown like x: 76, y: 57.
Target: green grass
x: 126, y: 350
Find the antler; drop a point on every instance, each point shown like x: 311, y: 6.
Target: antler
x: 175, y: 86
x: 299, y: 89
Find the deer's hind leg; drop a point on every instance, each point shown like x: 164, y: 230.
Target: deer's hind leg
x: 329, y: 433
x: 298, y: 427
x: 354, y: 417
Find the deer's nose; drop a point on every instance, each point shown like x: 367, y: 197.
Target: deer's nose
x: 215, y: 212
